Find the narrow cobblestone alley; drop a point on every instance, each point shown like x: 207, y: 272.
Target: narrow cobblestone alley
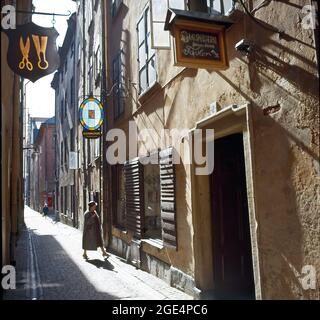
x: 50, y: 267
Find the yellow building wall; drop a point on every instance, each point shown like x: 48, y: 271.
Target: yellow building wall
x: 281, y: 74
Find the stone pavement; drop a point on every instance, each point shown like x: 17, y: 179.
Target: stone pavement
x: 50, y: 267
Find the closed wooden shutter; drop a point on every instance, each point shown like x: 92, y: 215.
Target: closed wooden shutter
x: 168, y: 198
x: 134, y: 186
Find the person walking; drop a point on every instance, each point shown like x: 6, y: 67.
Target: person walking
x: 45, y: 209
x: 92, y: 238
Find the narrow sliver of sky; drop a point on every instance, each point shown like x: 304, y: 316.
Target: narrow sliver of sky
x: 40, y: 95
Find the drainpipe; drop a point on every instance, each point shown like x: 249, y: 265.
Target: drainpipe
x: 105, y: 165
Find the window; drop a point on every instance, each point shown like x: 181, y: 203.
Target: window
x: 61, y: 154
x: 97, y: 66
x: 97, y: 147
x: 72, y: 93
x: 116, y: 6
x: 66, y: 207
x: 118, y: 89
x: 96, y: 5
x: 62, y: 111
x: 61, y: 199
x: 65, y: 104
x: 90, y: 75
x: 146, y: 55
x: 89, y: 10
x: 79, y: 51
x: 65, y: 152
x: 150, y: 198
x: 72, y: 140
x: 72, y: 50
x: 152, y: 201
x: 222, y: 6
x: 119, y: 195
x: 159, y: 8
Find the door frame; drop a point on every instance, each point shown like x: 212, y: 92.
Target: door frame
x: 230, y: 120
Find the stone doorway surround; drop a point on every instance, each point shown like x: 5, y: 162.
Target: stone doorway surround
x: 227, y: 121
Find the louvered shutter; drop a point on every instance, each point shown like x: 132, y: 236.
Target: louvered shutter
x: 134, y: 186
x: 168, y: 198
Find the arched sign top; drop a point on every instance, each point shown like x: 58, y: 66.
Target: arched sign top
x: 91, y: 114
x: 32, y: 51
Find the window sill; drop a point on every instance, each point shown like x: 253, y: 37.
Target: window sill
x: 155, y: 243
x: 146, y: 94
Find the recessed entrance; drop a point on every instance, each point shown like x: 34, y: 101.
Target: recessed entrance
x: 233, y: 271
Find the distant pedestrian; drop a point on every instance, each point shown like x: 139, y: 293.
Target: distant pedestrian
x: 45, y: 209
x: 92, y: 238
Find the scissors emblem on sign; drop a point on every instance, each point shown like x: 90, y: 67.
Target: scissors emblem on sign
x: 41, y: 46
x: 25, y: 49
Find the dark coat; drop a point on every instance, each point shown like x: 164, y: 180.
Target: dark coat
x: 92, y: 238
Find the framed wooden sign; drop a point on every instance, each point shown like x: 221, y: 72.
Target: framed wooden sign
x: 199, y: 45
x: 32, y: 51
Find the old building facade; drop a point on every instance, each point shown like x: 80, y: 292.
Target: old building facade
x: 79, y: 161
x: 12, y: 202
x: 64, y: 84
x: 250, y: 227
x: 89, y: 77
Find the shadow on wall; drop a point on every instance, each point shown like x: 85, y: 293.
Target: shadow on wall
x: 279, y: 225
x: 182, y: 258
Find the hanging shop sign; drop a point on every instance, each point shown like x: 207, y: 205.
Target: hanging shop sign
x: 91, y: 116
x: 199, y: 45
x: 91, y: 134
x: 32, y: 51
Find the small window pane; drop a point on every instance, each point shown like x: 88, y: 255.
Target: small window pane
x: 161, y: 38
x: 141, y: 31
x: 152, y: 74
x: 177, y: 4
x: 151, y: 51
x: 159, y: 10
x: 143, y: 80
x: 142, y: 56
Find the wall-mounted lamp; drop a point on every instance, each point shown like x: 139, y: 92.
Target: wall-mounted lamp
x: 244, y: 46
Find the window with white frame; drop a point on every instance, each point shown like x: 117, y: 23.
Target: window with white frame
x: 222, y: 6
x: 159, y: 8
x: 118, y: 88
x: 97, y: 65
x: 146, y: 54
x: 97, y: 147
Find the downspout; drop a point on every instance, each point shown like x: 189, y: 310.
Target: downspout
x: 84, y: 94
x: 106, y: 167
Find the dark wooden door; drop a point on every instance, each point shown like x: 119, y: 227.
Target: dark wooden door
x: 233, y: 271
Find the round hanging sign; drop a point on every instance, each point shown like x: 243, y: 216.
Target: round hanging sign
x: 91, y: 114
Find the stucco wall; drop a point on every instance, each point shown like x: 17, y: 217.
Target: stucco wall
x: 280, y: 81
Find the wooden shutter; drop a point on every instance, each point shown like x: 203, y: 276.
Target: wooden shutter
x: 134, y: 186
x: 168, y: 198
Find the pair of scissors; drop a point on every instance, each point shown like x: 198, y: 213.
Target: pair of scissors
x: 25, y: 49
x: 41, y: 47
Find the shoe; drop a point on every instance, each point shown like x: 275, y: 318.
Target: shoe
x: 85, y: 257
x: 104, y: 254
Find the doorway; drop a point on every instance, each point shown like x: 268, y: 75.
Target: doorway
x: 233, y: 270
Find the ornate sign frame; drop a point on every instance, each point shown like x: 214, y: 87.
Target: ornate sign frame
x: 207, y: 47
x: 82, y: 120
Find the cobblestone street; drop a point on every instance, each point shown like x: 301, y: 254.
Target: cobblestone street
x: 50, y: 267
